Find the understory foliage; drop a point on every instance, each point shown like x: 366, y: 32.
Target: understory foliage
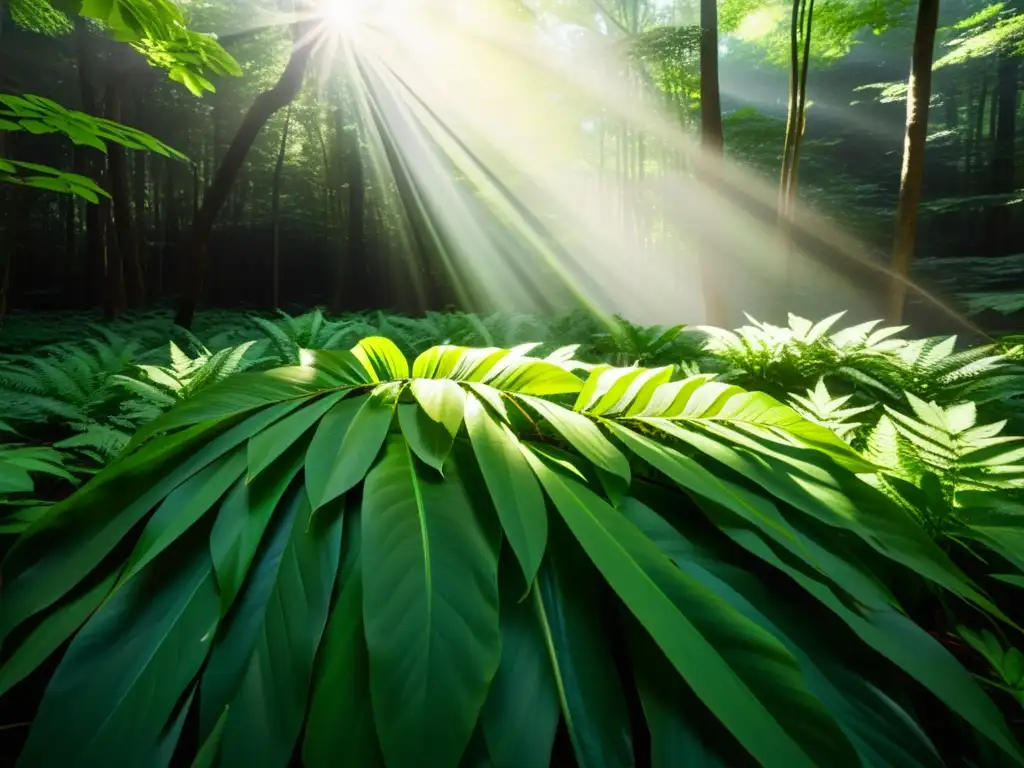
x: 780, y: 546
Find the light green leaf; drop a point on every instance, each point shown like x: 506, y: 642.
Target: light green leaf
x: 442, y: 399
x: 583, y: 435
x: 382, y: 359
x: 526, y: 376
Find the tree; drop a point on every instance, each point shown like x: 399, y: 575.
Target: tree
x: 919, y: 92
x: 266, y: 105
x: 275, y: 215
x: 712, y: 136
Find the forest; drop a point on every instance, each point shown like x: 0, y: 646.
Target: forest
x: 511, y: 383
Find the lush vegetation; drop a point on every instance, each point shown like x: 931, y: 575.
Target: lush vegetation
x: 788, y: 545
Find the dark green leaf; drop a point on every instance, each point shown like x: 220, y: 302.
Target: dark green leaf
x: 430, y: 609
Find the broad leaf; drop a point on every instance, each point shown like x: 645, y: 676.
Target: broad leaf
x: 430, y: 609
x: 512, y: 486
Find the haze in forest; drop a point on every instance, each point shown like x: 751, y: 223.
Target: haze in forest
x: 538, y: 156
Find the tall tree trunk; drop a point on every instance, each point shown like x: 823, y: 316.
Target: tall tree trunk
x: 141, y: 221
x: 1004, y: 173
x: 262, y: 109
x: 275, y: 211
x: 713, y: 141
x: 360, y: 282
x: 801, y: 110
x: 919, y: 94
x: 89, y: 163
x: 796, y: 22
x: 120, y: 189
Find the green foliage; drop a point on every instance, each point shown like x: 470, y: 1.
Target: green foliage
x: 673, y: 54
x: 311, y: 558
x: 992, y: 30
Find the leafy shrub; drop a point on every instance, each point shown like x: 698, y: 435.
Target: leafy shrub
x: 357, y: 562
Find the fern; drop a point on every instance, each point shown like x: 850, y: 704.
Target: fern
x: 822, y: 408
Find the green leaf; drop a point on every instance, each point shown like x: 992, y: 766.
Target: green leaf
x: 242, y: 521
x: 58, y: 552
x: 891, y: 633
x: 382, y: 359
x: 521, y: 713
x: 341, y: 367
x: 583, y: 435
x: 593, y: 705
x: 238, y: 394
x: 431, y: 610
x: 183, y: 508
x: 340, y: 728
x: 51, y: 633
x: 526, y: 376
x: 208, y: 753
x: 512, y: 486
x: 266, y: 713
x: 127, y: 668
x: 266, y: 446
x: 691, y: 625
x: 345, y: 445
x: 429, y: 440
x: 442, y: 399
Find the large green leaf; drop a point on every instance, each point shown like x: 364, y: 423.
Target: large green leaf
x: 583, y: 435
x: 838, y: 498
x: 51, y: 633
x: 265, y: 446
x: 430, y: 609
x: 242, y: 520
x: 340, y: 728
x: 890, y: 632
x: 183, y: 507
x: 443, y: 400
x: 512, y: 486
x: 682, y: 730
x: 236, y: 395
x: 382, y: 359
x: 567, y: 606
x: 276, y: 624
x: 526, y: 376
x: 345, y: 445
x: 267, y: 710
x: 124, y: 672
x: 428, y: 439
x: 751, y: 683
x: 520, y: 715
x: 876, y: 726
x: 79, y: 532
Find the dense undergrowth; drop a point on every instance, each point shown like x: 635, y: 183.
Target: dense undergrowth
x: 454, y: 545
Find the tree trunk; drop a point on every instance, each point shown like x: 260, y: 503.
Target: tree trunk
x: 262, y: 109
x: 801, y: 111
x: 120, y: 190
x: 1000, y: 215
x: 275, y: 211
x: 712, y: 140
x: 88, y: 163
x: 139, y: 194
x: 919, y: 93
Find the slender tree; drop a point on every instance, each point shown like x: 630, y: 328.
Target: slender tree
x: 919, y: 92
x: 266, y: 105
x: 275, y: 209
x: 712, y: 136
